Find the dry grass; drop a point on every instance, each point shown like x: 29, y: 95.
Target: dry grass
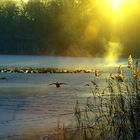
x: 110, y: 114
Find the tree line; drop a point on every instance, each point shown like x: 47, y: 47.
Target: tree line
x: 60, y: 28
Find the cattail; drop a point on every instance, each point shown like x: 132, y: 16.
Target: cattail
x: 120, y: 71
x: 120, y: 77
x: 130, y: 60
x: 138, y: 65
x: 135, y: 73
x: 111, y: 76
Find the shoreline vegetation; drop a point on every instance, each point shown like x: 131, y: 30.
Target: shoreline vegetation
x: 46, y: 70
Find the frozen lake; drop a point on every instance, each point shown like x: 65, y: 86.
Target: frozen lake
x: 30, y: 106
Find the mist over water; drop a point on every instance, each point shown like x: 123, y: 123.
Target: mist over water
x: 58, y: 62
x: 113, y: 53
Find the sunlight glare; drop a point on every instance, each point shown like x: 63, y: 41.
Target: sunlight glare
x: 116, y: 4
x: 116, y: 11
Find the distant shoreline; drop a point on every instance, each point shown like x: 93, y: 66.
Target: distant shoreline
x: 52, y: 70
x: 45, y: 70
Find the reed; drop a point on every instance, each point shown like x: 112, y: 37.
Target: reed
x: 115, y: 114
x: 112, y: 113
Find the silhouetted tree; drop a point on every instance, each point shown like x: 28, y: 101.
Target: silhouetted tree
x: 61, y: 27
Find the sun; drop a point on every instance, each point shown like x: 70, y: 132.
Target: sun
x: 116, y: 4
